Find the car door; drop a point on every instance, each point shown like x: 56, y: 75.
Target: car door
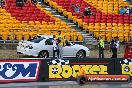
x: 69, y: 50
x: 49, y: 46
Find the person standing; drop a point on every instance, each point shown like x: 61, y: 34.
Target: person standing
x: 2, y: 3
x: 61, y: 43
x: 122, y: 10
x: 101, y: 48
x: 34, y: 2
x: 20, y: 3
x: 117, y: 44
x: 114, y: 45
x: 55, y: 47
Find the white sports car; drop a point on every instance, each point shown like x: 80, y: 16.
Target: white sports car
x: 42, y: 46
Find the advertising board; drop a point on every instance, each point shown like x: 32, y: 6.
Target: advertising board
x: 68, y: 69
x: 19, y: 70
x: 126, y: 66
x: 108, y: 78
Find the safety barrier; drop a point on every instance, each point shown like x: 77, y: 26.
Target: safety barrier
x: 41, y: 70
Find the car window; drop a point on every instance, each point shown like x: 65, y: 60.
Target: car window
x: 49, y: 41
x: 37, y: 40
x: 67, y: 43
x: 35, y: 37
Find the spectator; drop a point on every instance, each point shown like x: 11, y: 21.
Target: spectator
x: 2, y: 3
x: 55, y: 47
x: 101, y: 48
x: 87, y: 11
x: 76, y: 8
x: 122, y: 10
x: 34, y: 2
x: 114, y: 46
x: 129, y: 1
x: 127, y: 9
x: 19, y: 3
x: 118, y: 44
x: 125, y: 0
x: 130, y: 11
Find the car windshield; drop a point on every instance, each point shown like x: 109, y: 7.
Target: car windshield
x: 37, y: 40
x: 49, y: 41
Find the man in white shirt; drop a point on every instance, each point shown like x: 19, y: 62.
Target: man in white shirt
x: 55, y: 47
x: 127, y: 9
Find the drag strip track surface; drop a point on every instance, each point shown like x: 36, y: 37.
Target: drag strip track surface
x: 65, y: 84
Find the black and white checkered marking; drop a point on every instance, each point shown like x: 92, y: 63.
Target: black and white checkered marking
x: 126, y: 69
x: 54, y: 70
x: 126, y: 61
x: 59, y: 62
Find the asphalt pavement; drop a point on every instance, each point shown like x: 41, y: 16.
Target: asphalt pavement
x: 66, y: 84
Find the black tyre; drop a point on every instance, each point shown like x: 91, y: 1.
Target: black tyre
x: 81, y: 54
x: 81, y: 80
x: 43, y: 54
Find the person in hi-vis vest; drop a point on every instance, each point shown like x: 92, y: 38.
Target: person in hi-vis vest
x: 61, y: 43
x: 101, y: 48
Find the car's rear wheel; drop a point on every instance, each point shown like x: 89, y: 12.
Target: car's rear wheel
x: 43, y: 54
x: 81, y: 54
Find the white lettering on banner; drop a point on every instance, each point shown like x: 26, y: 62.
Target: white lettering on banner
x: 17, y: 70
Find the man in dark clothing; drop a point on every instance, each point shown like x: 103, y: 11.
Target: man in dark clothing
x: 2, y: 3
x: 130, y: 10
x: 34, y: 2
x: 88, y: 11
x: 20, y: 3
x: 113, y: 45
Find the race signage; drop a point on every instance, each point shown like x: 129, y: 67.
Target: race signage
x: 108, y: 78
x: 126, y: 66
x: 19, y: 70
x: 69, y: 69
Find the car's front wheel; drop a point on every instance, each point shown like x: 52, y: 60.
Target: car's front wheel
x: 43, y: 54
x: 81, y: 54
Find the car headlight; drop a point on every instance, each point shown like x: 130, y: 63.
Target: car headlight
x: 88, y: 50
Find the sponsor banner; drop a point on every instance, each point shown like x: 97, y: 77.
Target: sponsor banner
x: 19, y: 70
x: 108, y: 78
x: 69, y: 69
x: 124, y: 67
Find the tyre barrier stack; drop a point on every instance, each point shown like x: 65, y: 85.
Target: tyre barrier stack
x: 44, y: 70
